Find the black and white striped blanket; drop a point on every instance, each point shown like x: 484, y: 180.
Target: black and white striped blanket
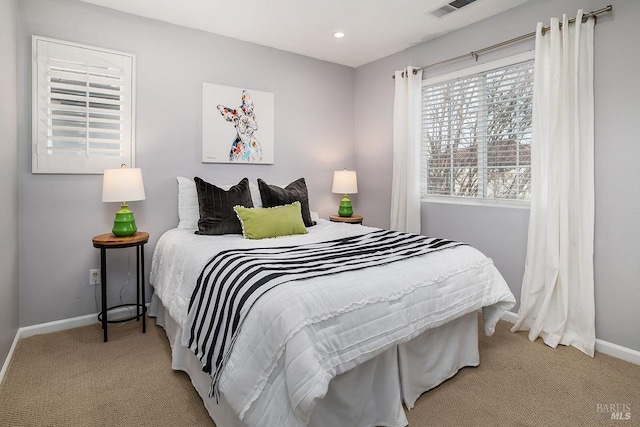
x: 233, y: 280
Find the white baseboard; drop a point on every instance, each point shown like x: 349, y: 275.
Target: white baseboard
x: 618, y: 351
x: 5, y: 365
x: 510, y: 317
x: 604, y: 347
x: 56, y: 326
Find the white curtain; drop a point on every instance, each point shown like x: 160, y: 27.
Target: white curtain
x: 405, y: 190
x: 557, y: 301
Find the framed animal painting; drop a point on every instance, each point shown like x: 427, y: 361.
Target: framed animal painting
x: 237, y: 125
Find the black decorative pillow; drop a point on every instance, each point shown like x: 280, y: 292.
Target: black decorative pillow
x: 272, y: 196
x: 216, y: 207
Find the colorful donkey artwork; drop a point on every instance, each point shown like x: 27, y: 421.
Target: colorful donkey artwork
x: 245, y: 148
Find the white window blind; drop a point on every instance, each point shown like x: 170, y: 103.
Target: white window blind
x: 83, y: 108
x: 476, y: 134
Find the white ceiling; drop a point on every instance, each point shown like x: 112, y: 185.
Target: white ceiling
x: 374, y: 28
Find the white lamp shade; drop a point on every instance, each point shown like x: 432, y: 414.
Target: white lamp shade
x: 345, y: 182
x: 122, y: 185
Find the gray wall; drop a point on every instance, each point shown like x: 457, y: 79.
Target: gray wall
x: 502, y: 232
x: 60, y: 213
x: 317, y: 104
x: 8, y: 178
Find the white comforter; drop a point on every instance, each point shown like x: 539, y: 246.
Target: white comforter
x: 297, y: 338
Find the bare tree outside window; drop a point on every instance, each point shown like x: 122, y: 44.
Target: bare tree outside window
x: 476, y: 135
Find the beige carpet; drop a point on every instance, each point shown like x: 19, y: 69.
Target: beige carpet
x: 72, y: 378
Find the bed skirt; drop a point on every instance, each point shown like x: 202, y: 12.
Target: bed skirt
x: 373, y: 393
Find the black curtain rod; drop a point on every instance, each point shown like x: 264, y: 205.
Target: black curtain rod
x: 474, y: 54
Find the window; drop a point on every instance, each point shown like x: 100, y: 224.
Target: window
x: 476, y: 132
x: 83, y: 108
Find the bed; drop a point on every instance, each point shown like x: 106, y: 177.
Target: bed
x: 343, y: 349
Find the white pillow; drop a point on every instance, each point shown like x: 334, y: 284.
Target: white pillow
x: 188, y: 212
x: 188, y: 209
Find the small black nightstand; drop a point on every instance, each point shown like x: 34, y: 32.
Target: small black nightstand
x: 110, y: 241
x: 353, y: 219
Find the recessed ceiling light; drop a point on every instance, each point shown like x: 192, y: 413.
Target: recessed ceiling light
x: 338, y: 35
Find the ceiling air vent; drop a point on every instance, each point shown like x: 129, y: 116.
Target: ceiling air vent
x: 450, y: 7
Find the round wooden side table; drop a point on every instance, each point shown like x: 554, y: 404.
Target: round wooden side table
x: 353, y: 219
x: 111, y: 241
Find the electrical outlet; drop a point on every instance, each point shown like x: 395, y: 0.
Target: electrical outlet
x: 94, y: 277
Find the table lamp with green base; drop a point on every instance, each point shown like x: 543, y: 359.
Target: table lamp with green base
x: 123, y: 185
x: 345, y: 182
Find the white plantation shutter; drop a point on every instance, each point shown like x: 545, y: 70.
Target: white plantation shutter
x: 476, y: 132
x: 83, y: 108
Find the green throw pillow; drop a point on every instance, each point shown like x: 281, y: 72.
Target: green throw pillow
x: 262, y: 223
